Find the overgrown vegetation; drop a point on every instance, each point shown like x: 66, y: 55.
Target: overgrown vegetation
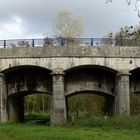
x: 88, y: 124
x: 84, y: 103
x: 37, y: 107
x: 89, y: 120
x: 37, y: 118
x: 37, y: 103
x: 135, y: 104
x: 42, y: 132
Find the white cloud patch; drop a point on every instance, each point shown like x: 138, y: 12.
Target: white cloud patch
x: 12, y: 29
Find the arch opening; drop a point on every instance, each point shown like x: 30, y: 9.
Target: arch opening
x: 135, y: 104
x: 21, y: 82
x: 81, y: 105
x: 96, y: 83
x: 30, y: 108
x: 135, y: 92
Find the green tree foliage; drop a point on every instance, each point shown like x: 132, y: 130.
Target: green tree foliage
x: 88, y: 103
x: 37, y: 103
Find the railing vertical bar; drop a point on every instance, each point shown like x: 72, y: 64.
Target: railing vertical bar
x: 4, y: 43
x: 62, y: 42
x: 91, y: 41
x: 33, y: 42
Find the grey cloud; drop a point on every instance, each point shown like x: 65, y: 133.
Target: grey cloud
x: 37, y: 15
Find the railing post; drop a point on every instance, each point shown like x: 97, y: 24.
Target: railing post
x: 33, y: 42
x: 62, y: 42
x: 121, y: 42
x: 4, y: 44
x: 91, y: 42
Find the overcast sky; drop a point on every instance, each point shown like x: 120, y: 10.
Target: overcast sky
x: 34, y: 18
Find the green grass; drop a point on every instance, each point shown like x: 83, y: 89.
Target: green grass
x: 84, y: 127
x: 89, y: 120
x: 40, y: 132
x: 36, y: 116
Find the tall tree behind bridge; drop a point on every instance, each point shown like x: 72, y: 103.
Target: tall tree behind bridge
x: 68, y: 25
x: 127, y: 35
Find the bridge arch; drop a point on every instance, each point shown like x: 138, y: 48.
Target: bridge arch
x: 105, y: 99
x: 77, y: 63
x: 27, y: 78
x: 135, y: 80
x: 21, y: 81
x: 90, y: 78
x: 135, y: 91
x: 90, y: 92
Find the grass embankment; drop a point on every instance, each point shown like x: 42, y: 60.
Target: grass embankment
x: 34, y: 132
x: 89, y: 128
x: 89, y: 120
x: 40, y: 118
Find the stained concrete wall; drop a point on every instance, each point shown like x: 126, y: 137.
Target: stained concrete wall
x: 28, y: 79
x: 117, y: 58
x: 59, y: 60
x: 89, y: 79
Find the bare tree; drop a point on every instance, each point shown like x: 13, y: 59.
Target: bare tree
x: 68, y: 24
x: 129, y: 2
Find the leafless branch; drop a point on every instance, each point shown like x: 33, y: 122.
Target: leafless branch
x: 129, y: 2
x: 136, y: 7
x: 108, y: 1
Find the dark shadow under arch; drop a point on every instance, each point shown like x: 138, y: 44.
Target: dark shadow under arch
x: 91, y: 67
x: 108, y: 108
x: 16, y: 68
x: 135, y: 81
x: 22, y: 81
x: 28, y: 78
x: 91, y: 92
x: 15, y: 105
x: 90, y: 78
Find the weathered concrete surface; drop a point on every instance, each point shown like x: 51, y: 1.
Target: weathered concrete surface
x: 73, y: 51
x: 28, y: 79
x: 74, y: 70
x: 3, y: 100
x: 58, y: 114
x: 87, y: 79
x: 122, y: 94
x: 116, y: 58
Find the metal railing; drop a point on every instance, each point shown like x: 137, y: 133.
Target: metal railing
x: 71, y: 41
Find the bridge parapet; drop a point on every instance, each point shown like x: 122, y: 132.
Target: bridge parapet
x: 68, y: 41
x: 70, y: 51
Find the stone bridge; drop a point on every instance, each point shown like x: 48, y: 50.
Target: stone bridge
x: 109, y: 71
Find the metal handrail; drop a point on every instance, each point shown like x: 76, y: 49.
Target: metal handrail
x: 68, y: 41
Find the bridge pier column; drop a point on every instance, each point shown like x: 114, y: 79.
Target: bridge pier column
x: 122, y: 103
x: 58, y: 113
x: 3, y: 100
